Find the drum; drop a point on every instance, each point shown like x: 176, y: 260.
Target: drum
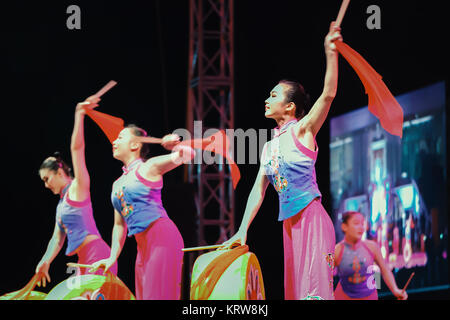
x: 26, y: 293
x: 33, y: 295
x: 242, y: 280
x: 91, y: 287
x: 36, y: 295
x: 79, y: 287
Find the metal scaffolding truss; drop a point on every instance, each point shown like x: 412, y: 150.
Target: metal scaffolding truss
x: 211, y: 101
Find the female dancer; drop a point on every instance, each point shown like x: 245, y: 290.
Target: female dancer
x: 74, y: 217
x: 355, y: 263
x: 136, y: 197
x: 288, y: 163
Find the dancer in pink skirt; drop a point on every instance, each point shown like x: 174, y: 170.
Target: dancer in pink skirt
x: 355, y: 263
x: 136, y: 197
x: 74, y: 217
x: 288, y: 163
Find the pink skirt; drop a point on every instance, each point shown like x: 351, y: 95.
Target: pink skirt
x: 92, y: 252
x: 339, y: 294
x: 159, y: 261
x: 309, y: 241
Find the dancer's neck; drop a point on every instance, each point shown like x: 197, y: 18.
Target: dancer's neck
x: 66, y: 183
x: 285, y: 119
x: 352, y: 241
x: 129, y: 160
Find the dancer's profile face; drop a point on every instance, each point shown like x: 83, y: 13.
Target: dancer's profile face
x: 124, y: 144
x: 52, y: 180
x: 354, y: 227
x: 275, y: 104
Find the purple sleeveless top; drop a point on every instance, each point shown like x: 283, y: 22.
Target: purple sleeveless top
x: 289, y: 166
x: 354, y: 270
x: 137, y: 199
x: 75, y: 219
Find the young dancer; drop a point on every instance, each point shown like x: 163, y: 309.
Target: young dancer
x: 136, y: 197
x: 74, y: 217
x: 288, y: 163
x: 355, y: 263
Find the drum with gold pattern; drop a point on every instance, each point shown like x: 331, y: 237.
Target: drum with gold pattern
x: 91, y: 287
x: 241, y: 280
x: 78, y: 287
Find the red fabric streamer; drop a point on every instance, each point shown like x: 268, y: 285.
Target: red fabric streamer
x: 217, y: 143
x: 382, y: 103
x: 110, y: 125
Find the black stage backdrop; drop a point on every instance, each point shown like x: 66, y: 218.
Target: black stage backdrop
x: 47, y: 69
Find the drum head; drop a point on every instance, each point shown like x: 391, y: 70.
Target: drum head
x: 90, y: 287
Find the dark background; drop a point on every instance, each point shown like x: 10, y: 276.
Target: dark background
x: 47, y: 69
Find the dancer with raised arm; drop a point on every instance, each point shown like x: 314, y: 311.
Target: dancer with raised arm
x: 74, y: 217
x: 288, y: 162
x: 136, y: 197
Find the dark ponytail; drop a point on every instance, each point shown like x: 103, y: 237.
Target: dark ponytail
x: 54, y: 163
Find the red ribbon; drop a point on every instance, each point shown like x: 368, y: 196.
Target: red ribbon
x: 382, y: 103
x: 217, y: 143
x: 110, y: 125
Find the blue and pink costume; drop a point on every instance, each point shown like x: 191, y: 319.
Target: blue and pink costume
x: 355, y: 270
x: 76, y: 220
x: 159, y: 257
x: 308, y: 232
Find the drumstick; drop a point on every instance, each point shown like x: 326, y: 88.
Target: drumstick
x: 150, y: 140
x: 341, y: 13
x: 101, y: 92
x: 105, y: 89
x: 407, y: 282
x: 79, y: 265
x: 215, y: 246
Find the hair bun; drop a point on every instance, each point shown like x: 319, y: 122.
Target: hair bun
x: 57, y: 155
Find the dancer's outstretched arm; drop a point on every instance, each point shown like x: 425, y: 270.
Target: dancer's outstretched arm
x: 54, y: 246
x: 118, y: 239
x: 254, y: 202
x: 386, y: 273
x: 81, y: 182
x: 313, y: 121
x: 155, y: 167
